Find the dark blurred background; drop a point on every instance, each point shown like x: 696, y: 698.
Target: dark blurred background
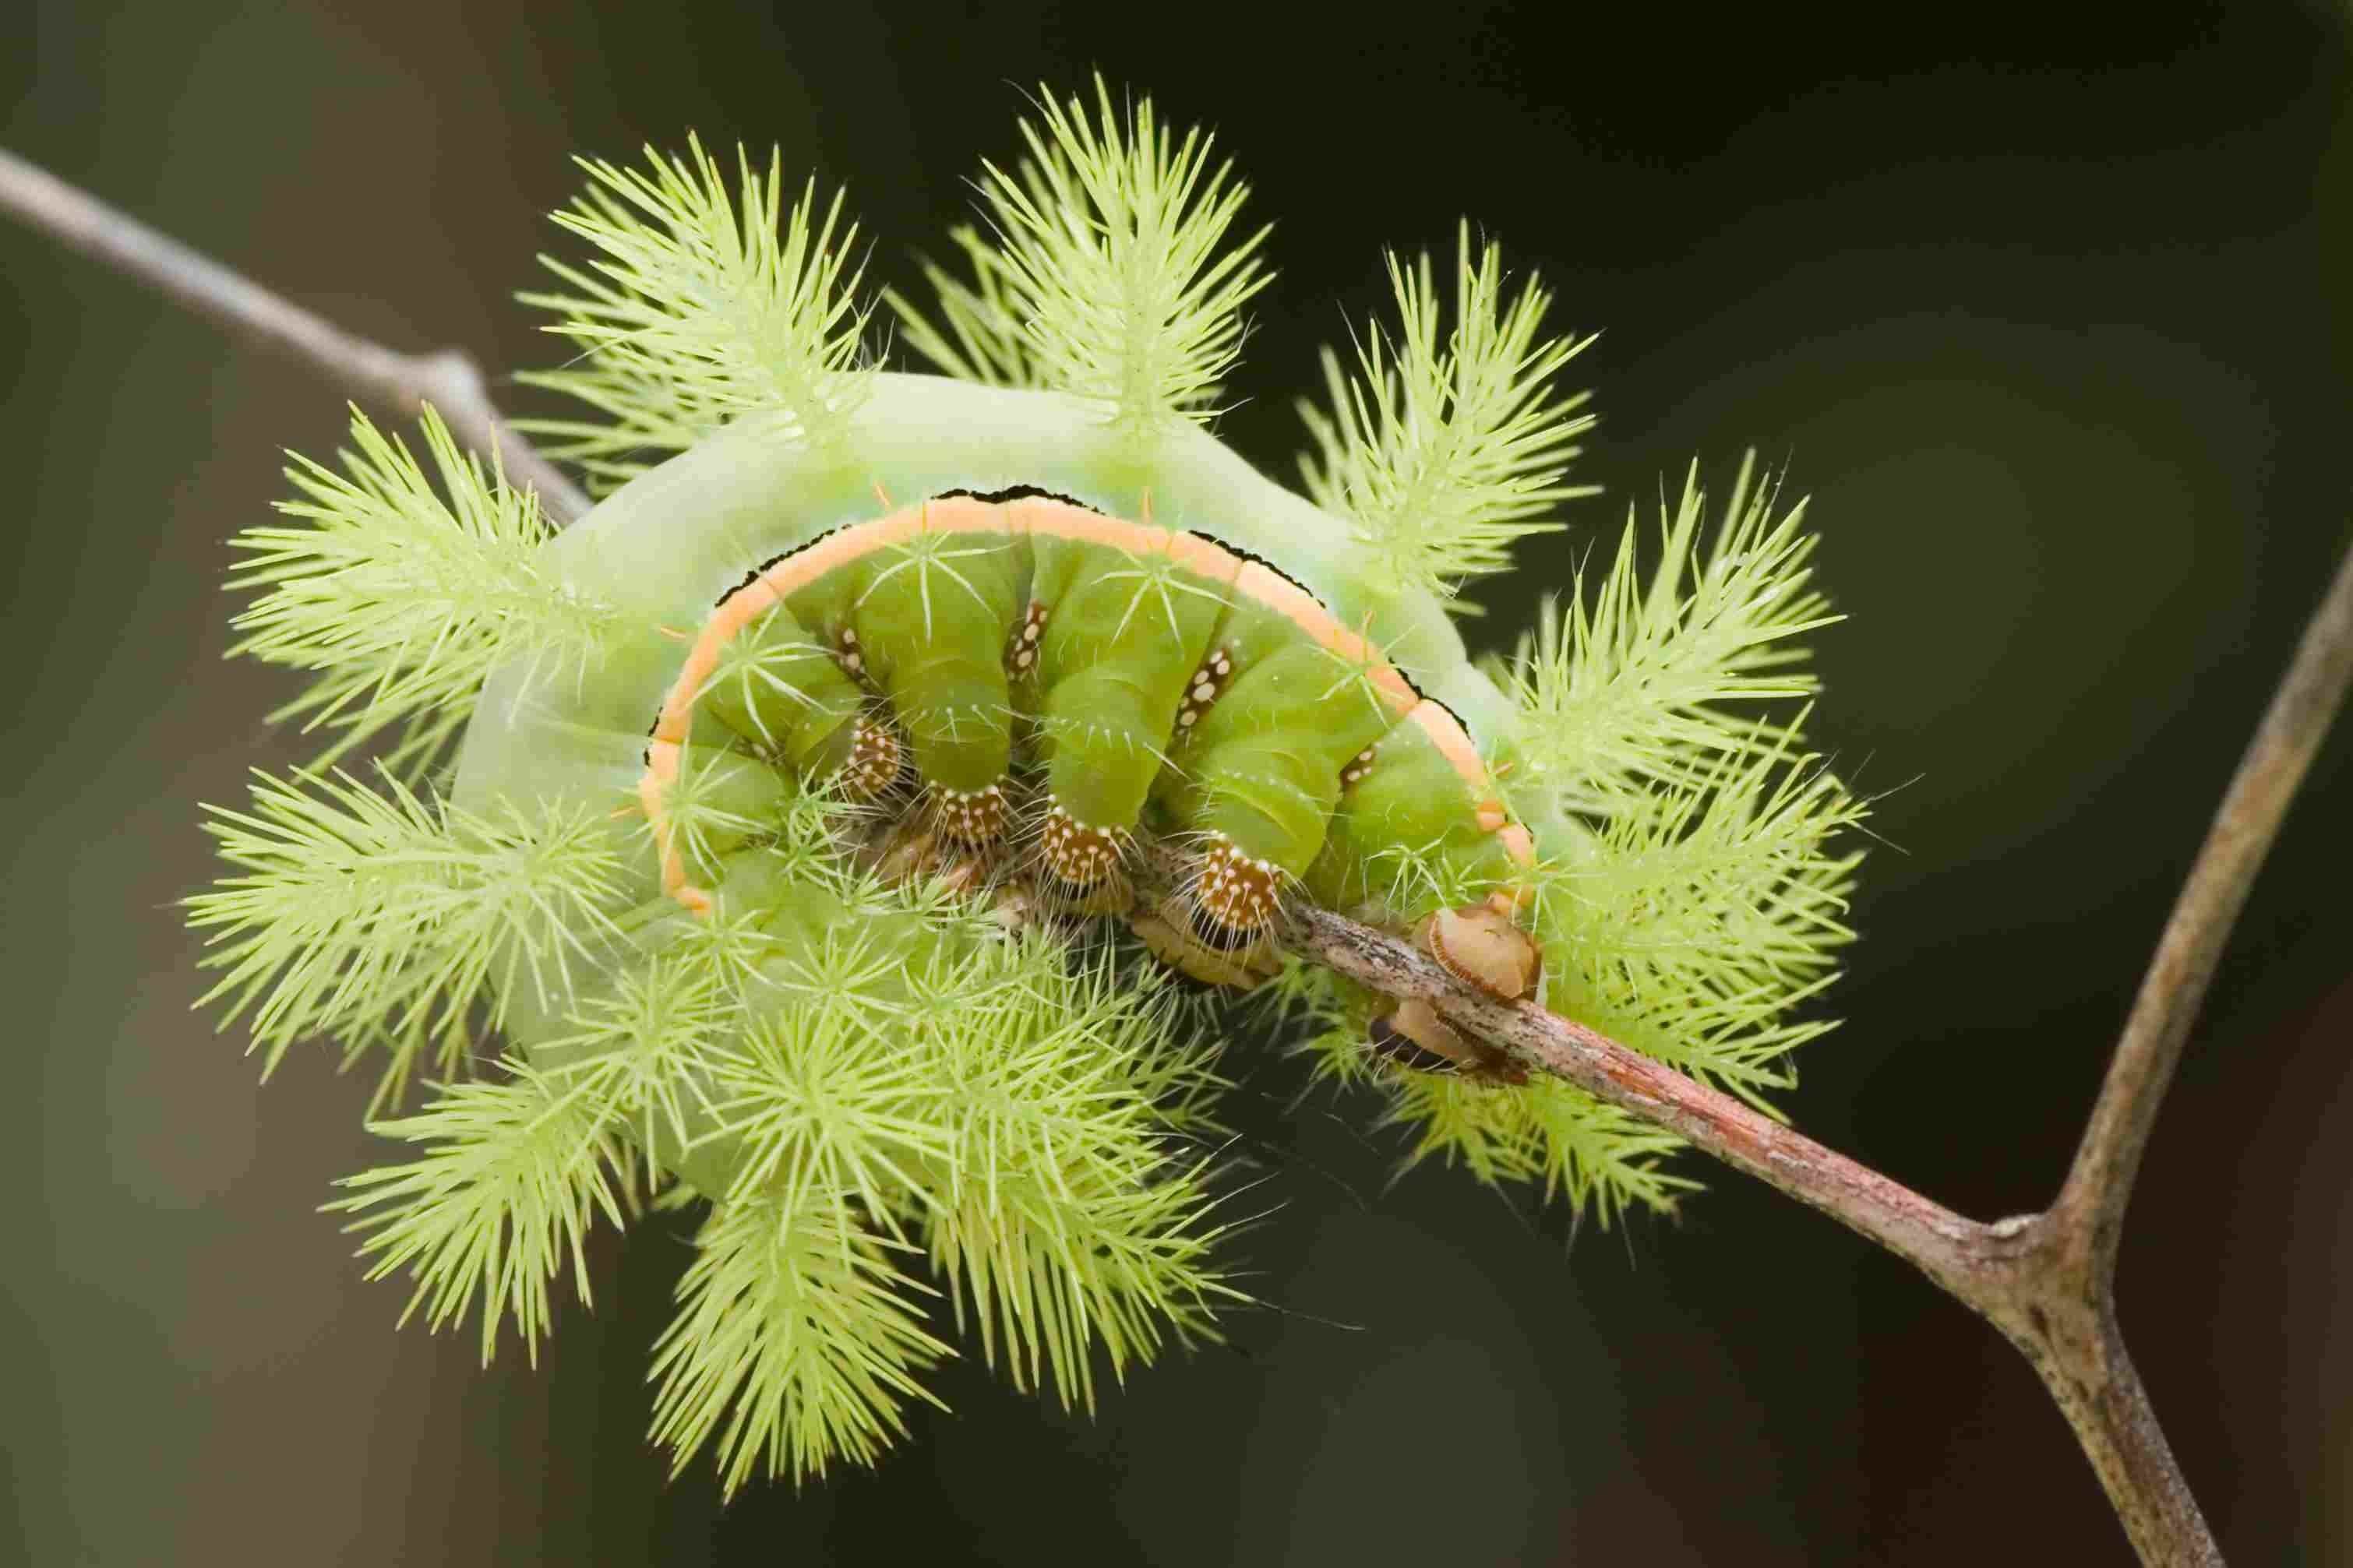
x: 2045, y: 306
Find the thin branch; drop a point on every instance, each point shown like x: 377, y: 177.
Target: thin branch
x: 2004, y: 1272
x: 1937, y: 1240
x: 2047, y: 1281
x: 2091, y: 1205
x: 367, y: 371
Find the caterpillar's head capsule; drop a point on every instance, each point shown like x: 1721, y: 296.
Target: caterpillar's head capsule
x: 1414, y: 1037
x: 1482, y: 946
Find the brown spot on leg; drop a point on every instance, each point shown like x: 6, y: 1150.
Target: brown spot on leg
x: 976, y: 817
x: 877, y: 759
x: 1081, y: 869
x: 1234, y: 898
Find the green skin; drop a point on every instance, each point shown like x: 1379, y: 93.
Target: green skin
x: 782, y: 690
x: 1112, y: 666
x: 1263, y: 768
x: 934, y: 620
x: 930, y: 626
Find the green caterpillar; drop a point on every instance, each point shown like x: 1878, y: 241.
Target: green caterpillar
x: 802, y: 788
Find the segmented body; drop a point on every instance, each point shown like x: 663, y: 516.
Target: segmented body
x: 1069, y: 683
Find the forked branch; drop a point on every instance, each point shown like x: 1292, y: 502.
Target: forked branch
x: 2045, y: 1281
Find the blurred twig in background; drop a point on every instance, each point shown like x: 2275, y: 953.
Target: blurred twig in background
x: 393, y: 381
x: 2046, y: 1281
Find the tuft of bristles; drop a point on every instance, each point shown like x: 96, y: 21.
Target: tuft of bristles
x: 383, y: 918
x: 1112, y: 277
x: 700, y: 306
x: 1600, y: 1160
x: 1692, y: 928
x: 879, y: 1078
x: 398, y: 602
x: 514, y: 1174
x: 1626, y: 688
x: 980, y: 337
x: 1692, y: 897
x: 1444, y: 452
x: 1692, y: 900
x: 795, y: 1346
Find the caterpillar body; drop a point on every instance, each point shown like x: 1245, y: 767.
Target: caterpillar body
x: 809, y: 791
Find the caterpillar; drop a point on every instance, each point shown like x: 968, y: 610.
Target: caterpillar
x: 829, y: 814
x: 1131, y: 670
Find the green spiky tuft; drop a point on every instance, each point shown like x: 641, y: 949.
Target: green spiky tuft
x: 980, y: 336
x: 700, y: 308
x: 398, y: 602
x: 1600, y: 1160
x: 1444, y: 454
x: 1694, y: 896
x: 383, y: 918
x: 1627, y: 688
x: 513, y: 1175
x: 795, y: 1344
x: 1066, y: 1212
x: 647, y: 1049
x: 822, y: 1096
x: 1696, y: 923
x: 1112, y: 278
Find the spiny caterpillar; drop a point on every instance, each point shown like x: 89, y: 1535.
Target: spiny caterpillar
x: 822, y: 801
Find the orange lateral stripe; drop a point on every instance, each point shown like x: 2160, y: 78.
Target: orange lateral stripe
x: 662, y: 772
x: 1195, y: 553
x: 1445, y: 732
x: 1304, y: 610
x: 735, y: 613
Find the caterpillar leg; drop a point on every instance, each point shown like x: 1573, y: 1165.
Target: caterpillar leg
x: 1079, y: 870
x: 1167, y: 930
x: 1482, y: 946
